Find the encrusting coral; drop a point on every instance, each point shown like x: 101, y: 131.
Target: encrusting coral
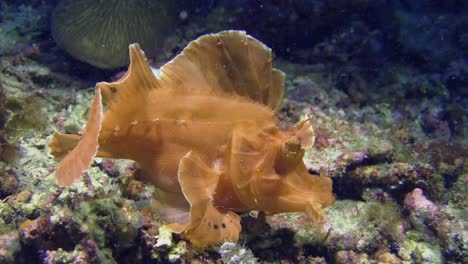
x: 203, y: 129
x: 99, y: 32
x: 385, y: 126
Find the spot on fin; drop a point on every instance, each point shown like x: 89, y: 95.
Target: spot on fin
x: 208, y: 225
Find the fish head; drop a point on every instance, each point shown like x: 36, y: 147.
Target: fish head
x: 274, y: 177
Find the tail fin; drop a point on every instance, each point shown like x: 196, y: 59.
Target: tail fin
x: 83, y: 148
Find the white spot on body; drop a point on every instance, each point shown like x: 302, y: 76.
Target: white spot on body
x: 181, y: 122
x: 222, y: 148
x: 116, y: 130
x: 217, y: 165
x: 156, y: 72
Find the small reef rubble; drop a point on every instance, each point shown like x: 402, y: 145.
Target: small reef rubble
x: 393, y: 143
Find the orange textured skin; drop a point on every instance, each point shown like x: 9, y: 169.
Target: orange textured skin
x: 204, y: 127
x: 202, y: 124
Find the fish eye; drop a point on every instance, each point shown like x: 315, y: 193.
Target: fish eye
x: 291, y: 147
x: 289, y: 156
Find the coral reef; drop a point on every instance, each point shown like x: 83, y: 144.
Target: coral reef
x: 9, y: 247
x: 364, y: 227
x: 426, y: 215
x: 9, y: 184
x: 21, y: 25
x: 390, y: 127
x: 233, y: 253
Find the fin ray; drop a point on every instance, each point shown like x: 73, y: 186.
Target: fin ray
x: 230, y: 62
x: 223, y: 64
x: 171, y: 207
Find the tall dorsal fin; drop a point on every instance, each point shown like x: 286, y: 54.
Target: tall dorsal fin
x: 139, y: 78
x: 227, y: 62
x: 230, y: 62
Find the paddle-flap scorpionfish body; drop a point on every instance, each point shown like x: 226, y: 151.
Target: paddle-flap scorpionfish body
x: 203, y: 129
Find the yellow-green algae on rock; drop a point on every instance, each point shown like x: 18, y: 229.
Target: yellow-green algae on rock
x: 99, y: 32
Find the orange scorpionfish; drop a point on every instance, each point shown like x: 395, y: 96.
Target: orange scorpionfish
x: 203, y: 130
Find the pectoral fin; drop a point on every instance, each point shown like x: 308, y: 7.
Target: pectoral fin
x: 62, y: 144
x: 208, y: 225
x: 172, y: 208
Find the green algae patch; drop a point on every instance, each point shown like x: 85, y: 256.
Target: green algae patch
x: 235, y: 253
x: 24, y: 115
x: 360, y: 225
x: 105, y: 221
x: 9, y: 247
x: 7, y: 220
x: 307, y: 231
x: 416, y: 249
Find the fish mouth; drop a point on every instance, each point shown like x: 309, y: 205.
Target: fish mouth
x: 294, y: 203
x: 310, y: 202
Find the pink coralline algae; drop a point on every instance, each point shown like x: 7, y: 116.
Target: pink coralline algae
x: 9, y: 247
x: 416, y: 201
x: 423, y: 211
x: 450, y: 231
